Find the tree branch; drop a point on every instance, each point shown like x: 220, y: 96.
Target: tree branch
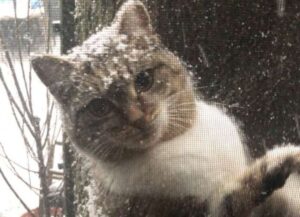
x: 15, y: 193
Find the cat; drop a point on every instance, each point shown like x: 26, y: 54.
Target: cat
x: 158, y: 149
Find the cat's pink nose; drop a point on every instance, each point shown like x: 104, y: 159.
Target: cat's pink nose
x: 134, y: 113
x: 141, y: 116
x: 149, y: 112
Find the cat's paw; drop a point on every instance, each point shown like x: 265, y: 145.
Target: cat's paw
x: 266, y: 175
x: 274, y: 178
x: 272, y: 170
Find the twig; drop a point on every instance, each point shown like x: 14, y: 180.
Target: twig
x: 10, y: 161
x: 16, y: 194
x: 48, y: 122
x: 28, y: 165
x: 17, y: 85
x: 35, y: 190
x: 30, y: 68
x: 21, y: 128
x: 17, y: 36
x: 14, y: 103
x: 14, y: 171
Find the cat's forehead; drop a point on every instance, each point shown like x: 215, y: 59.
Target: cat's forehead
x: 113, y: 56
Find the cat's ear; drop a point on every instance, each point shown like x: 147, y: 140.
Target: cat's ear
x: 133, y: 19
x: 52, y: 69
x: 55, y: 73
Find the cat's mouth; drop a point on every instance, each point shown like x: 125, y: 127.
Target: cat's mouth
x: 142, y: 133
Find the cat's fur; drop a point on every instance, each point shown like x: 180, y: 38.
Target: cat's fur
x: 129, y: 105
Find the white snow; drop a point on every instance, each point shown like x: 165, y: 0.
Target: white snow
x: 98, y: 43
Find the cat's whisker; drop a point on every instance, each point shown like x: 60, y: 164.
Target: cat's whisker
x: 173, y: 130
x: 174, y: 96
x: 178, y: 110
x: 99, y: 149
x: 178, y: 113
x: 188, y: 105
x: 178, y: 125
x: 184, y: 120
x: 183, y: 104
x: 179, y: 106
x: 104, y: 150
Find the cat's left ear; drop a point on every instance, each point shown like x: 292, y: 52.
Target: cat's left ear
x: 55, y: 73
x: 52, y: 69
x: 133, y: 19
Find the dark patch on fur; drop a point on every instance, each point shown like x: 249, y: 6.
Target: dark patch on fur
x: 274, y: 180
x: 227, y: 206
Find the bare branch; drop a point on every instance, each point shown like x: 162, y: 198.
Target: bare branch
x: 26, y: 142
x: 18, y: 88
x: 30, y: 68
x: 15, y: 193
x: 48, y: 123
x: 14, y: 103
x: 10, y: 161
x: 14, y: 171
x: 17, y: 36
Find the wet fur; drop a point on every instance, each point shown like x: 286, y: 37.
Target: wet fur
x: 162, y: 152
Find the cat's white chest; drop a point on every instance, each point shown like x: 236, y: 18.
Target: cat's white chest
x: 195, y: 163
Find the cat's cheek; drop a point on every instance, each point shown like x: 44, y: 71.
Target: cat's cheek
x: 162, y: 120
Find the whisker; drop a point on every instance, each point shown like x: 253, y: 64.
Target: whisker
x: 182, y: 122
x: 177, y: 118
x: 176, y: 94
x: 177, y: 125
x: 179, y: 112
x: 181, y: 104
x: 173, y: 130
x: 104, y: 150
x: 182, y: 109
x: 98, y: 149
x: 184, y: 104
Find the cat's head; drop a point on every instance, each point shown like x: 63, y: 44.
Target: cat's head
x: 121, y: 92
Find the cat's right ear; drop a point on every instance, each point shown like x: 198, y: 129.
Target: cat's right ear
x: 133, y: 19
x: 52, y: 69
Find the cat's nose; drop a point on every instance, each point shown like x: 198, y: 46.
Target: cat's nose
x: 134, y: 113
x: 140, y: 117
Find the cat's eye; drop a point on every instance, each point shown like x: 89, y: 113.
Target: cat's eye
x: 99, y: 107
x: 144, y: 80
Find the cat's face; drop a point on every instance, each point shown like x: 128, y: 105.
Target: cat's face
x: 124, y: 95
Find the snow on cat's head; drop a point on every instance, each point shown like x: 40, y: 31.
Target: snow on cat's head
x: 131, y: 21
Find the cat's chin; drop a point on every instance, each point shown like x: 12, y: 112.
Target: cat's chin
x: 151, y: 136
x: 142, y: 144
